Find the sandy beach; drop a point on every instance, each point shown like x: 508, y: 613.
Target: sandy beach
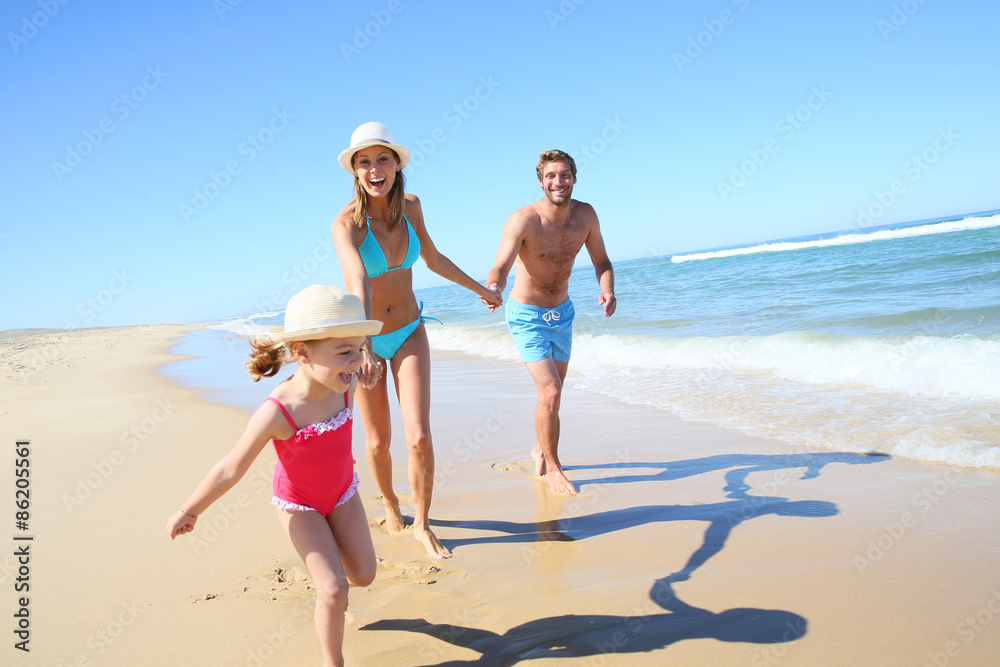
x: 688, y: 545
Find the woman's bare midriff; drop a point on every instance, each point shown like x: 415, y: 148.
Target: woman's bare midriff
x: 393, y: 302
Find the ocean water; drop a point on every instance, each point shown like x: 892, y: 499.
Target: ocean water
x: 874, y: 340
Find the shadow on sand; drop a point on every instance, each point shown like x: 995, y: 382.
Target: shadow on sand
x: 575, y: 636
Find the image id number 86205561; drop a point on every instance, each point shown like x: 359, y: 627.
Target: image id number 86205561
x: 22, y: 543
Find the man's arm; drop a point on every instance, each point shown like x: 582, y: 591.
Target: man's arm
x: 602, y: 265
x: 510, y: 243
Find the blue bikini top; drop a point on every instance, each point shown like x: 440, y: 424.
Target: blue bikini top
x: 374, y: 257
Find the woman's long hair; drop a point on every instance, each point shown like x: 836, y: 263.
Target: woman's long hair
x: 397, y: 200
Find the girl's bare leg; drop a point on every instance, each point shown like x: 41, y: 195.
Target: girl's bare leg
x: 312, y: 538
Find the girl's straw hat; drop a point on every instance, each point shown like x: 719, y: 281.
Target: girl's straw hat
x: 372, y: 134
x: 319, y: 312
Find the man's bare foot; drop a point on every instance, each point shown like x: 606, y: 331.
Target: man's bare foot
x: 431, y: 543
x: 536, y: 454
x: 558, y: 482
x: 394, y: 522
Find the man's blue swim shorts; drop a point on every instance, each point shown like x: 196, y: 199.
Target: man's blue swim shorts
x: 540, y: 332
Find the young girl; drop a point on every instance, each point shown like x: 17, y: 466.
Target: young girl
x: 314, y: 480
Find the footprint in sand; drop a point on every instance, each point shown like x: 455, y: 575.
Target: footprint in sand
x: 281, y: 583
x: 406, y: 571
x: 503, y: 466
x: 381, y: 522
x: 403, y: 498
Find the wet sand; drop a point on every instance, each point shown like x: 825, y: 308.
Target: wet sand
x: 687, y: 545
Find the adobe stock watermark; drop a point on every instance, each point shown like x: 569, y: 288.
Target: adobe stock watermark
x: 8, y: 569
x: 93, y: 305
x: 914, y: 168
x: 364, y: 34
x: 88, y: 309
x: 458, y: 625
x: 249, y: 149
x: 121, y: 108
x: 132, y: 440
x: 31, y: 24
x: 786, y: 127
x: 102, y: 640
x: 933, y: 324
x: 772, y: 655
x: 660, y: 595
x: 580, y: 502
x: 106, y: 636
x: 751, y: 506
x: 298, y: 274
x: 562, y: 13
x: 725, y: 361
x: 454, y: 117
x: 914, y: 347
x: 588, y: 153
x: 464, y: 449
x: 227, y: 511
x: 44, y: 355
x: 927, y: 499
x: 268, y: 645
x: 900, y: 16
x: 209, y: 529
x: 714, y: 28
x: 970, y: 628
x: 223, y: 7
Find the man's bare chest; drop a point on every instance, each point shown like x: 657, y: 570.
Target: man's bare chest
x: 553, y: 241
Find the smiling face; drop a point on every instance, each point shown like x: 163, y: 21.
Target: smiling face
x: 375, y: 168
x: 332, y: 362
x: 557, y: 182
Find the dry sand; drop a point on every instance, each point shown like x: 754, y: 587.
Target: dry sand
x: 689, y: 545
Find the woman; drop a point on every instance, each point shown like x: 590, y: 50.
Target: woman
x: 379, y: 236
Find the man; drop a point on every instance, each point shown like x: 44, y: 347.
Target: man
x: 544, y: 239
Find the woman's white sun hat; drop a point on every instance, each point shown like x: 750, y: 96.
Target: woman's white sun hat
x: 372, y: 134
x: 321, y: 311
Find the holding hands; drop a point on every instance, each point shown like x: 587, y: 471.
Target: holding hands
x: 372, y: 367
x: 493, y: 298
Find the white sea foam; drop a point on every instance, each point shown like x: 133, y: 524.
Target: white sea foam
x: 961, y: 367
x: 920, y: 397
x: 248, y: 325
x: 948, y: 444
x: 849, y: 239
x: 489, y: 342
x: 926, y: 366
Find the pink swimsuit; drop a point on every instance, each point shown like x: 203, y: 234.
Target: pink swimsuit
x: 315, y: 469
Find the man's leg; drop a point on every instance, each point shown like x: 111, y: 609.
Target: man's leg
x: 549, y: 376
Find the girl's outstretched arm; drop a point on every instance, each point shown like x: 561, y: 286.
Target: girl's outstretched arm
x: 265, y: 424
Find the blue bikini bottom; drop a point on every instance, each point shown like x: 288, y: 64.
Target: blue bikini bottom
x: 387, y: 345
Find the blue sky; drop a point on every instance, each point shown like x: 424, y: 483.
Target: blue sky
x: 176, y: 162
